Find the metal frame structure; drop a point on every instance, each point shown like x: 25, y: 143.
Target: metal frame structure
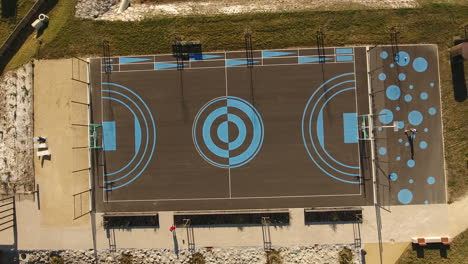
x: 320, y: 37
x: 190, y: 235
x: 266, y: 233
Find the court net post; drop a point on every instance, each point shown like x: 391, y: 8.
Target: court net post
x: 320, y: 37
x: 248, y: 48
x: 190, y: 235
x: 266, y: 233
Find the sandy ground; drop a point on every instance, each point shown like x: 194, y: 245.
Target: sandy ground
x: 16, y: 131
x: 66, y: 171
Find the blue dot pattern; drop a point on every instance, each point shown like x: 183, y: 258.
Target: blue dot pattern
x: 415, y: 118
x: 430, y: 180
x: 411, y: 163
x: 408, y: 98
x: 385, y: 116
x: 405, y: 196
x: 420, y: 64
x: 393, y: 92
x: 393, y: 176
x: 424, y: 96
x: 423, y: 144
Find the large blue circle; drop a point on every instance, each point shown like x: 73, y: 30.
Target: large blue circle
x: 402, y: 58
x: 420, y: 64
x: 206, y: 125
x: 415, y: 118
x: 405, y: 196
x: 393, y: 92
x: 385, y: 116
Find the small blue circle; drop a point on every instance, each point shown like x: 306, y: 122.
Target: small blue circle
x: 432, y: 84
x: 398, y: 108
x: 432, y: 111
x: 379, y: 129
x: 382, y: 76
x: 423, y: 144
x: 393, y: 92
x: 430, y: 180
x: 420, y: 64
x: 405, y: 196
x: 426, y: 202
x: 392, y: 65
x: 415, y: 118
x: 411, y: 163
x: 401, y: 76
x: 408, y: 98
x: 406, y: 144
x: 382, y: 151
x: 411, y: 87
x: 411, y: 181
x: 383, y: 55
x: 400, y: 140
x: 393, y: 176
x: 222, y: 132
x: 402, y: 58
x: 398, y: 158
x: 426, y: 129
x: 424, y: 96
x: 401, y: 124
x: 386, y: 116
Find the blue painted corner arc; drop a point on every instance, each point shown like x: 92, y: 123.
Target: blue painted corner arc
x: 144, y: 135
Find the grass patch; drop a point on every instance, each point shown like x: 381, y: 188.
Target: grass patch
x: 457, y: 254
x: 432, y: 23
x: 8, y: 24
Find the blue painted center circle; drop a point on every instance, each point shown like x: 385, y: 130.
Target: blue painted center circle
x: 405, y: 196
x: 222, y: 132
x: 415, y: 118
x: 420, y: 64
x: 402, y: 58
x: 393, y: 92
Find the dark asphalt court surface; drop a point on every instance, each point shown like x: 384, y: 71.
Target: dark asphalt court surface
x: 220, y: 135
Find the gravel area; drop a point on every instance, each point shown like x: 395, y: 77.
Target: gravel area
x: 16, y: 131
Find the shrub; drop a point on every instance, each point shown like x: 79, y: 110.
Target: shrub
x: 197, y: 258
x: 56, y: 260
x: 274, y: 257
x: 126, y: 259
x: 345, y: 256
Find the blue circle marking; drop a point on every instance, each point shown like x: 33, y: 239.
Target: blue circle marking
x: 400, y: 140
x: 397, y: 108
x: 382, y: 151
x: 392, y: 65
x: 379, y: 129
x: 222, y: 132
x: 432, y: 111
x: 405, y: 196
x: 398, y: 158
x: 423, y: 144
x: 383, y: 55
x: 424, y: 96
x: 411, y: 163
x: 382, y: 76
x: 393, y: 92
x: 415, y: 118
x: 411, y: 181
x: 385, y: 116
x: 411, y: 87
x: 431, y: 180
x: 426, y: 202
x: 401, y: 76
x: 393, y: 176
x: 401, y: 124
x: 402, y: 58
x: 420, y: 64
x: 426, y: 129
x: 408, y: 98
x: 432, y: 84
x: 406, y: 144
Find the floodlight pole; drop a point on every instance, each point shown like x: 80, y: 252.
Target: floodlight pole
x: 371, y: 125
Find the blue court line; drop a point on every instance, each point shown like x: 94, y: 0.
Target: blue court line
x: 303, y: 134
x: 350, y: 127
x: 270, y: 54
x: 344, y: 58
x: 125, y: 60
x: 137, y: 135
x: 231, y: 63
x: 163, y: 66
x: 154, y: 136
x: 146, y: 125
x: 197, y: 57
x: 109, y: 136
x: 302, y: 59
x: 344, y: 51
x: 324, y: 149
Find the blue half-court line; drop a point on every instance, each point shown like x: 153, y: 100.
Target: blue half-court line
x: 196, y: 57
x: 125, y: 60
x: 270, y: 54
x: 109, y: 136
x: 344, y: 51
x: 231, y: 63
x: 162, y: 66
x: 137, y: 135
x: 312, y: 59
x: 344, y: 58
x: 350, y: 127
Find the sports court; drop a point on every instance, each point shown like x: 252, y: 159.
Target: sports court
x: 267, y: 129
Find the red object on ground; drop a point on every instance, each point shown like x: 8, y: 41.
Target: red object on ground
x: 172, y: 228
